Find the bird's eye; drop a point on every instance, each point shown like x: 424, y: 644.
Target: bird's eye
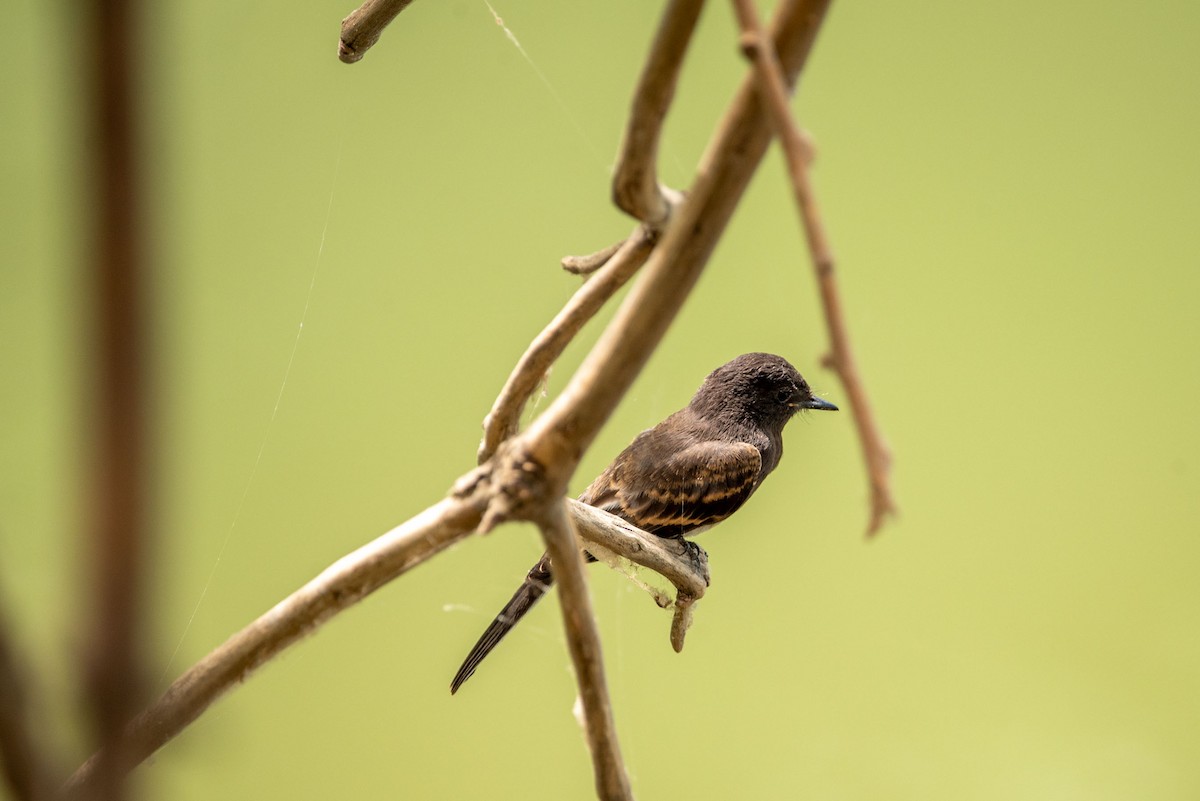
x: 783, y: 395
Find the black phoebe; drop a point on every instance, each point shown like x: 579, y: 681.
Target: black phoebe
x: 690, y: 471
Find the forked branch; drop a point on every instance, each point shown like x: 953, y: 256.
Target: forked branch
x: 505, y: 417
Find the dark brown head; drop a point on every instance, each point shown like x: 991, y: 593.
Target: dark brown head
x: 756, y: 387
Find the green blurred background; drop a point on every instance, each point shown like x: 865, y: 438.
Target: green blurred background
x: 1011, y: 190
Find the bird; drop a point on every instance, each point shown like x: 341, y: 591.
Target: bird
x: 684, y: 475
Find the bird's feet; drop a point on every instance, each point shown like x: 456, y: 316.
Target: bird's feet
x: 697, y: 557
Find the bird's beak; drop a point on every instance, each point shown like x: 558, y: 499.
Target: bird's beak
x: 820, y: 404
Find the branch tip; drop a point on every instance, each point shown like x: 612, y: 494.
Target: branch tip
x: 363, y: 27
x: 682, y: 621
x: 586, y: 265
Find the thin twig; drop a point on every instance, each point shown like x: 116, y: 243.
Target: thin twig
x: 583, y: 642
x: 362, y: 29
x: 505, y: 417
x: 586, y: 265
x: 841, y: 359
x: 115, y: 545
x: 635, y: 188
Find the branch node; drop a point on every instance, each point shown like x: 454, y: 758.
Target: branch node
x: 517, y: 487
x: 748, y: 43
x: 468, y: 484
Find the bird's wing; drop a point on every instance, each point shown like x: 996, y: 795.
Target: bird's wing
x: 694, y: 487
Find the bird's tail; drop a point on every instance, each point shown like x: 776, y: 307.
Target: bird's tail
x: 537, y: 581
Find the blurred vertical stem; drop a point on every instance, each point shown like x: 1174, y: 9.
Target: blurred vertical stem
x: 115, y: 549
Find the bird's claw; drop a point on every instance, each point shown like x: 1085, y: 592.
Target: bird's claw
x: 697, y: 557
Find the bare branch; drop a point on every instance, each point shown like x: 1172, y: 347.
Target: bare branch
x: 841, y: 359
x: 505, y: 417
x: 362, y: 29
x: 583, y: 641
x: 636, y: 190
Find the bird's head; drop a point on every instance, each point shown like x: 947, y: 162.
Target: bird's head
x: 760, y: 386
